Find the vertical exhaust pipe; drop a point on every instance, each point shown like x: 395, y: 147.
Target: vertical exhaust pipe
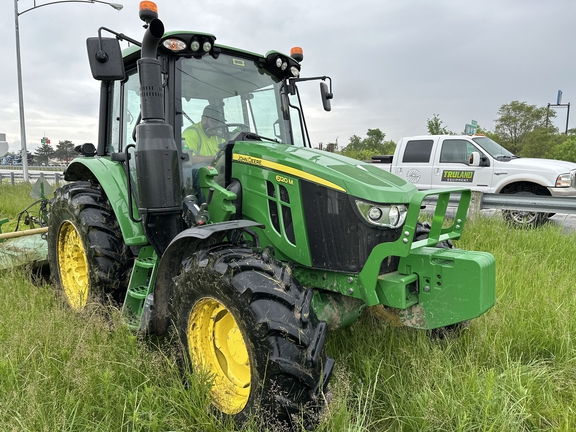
x: 156, y: 155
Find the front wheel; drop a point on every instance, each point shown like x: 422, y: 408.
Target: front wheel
x: 525, y: 219
x: 245, y: 320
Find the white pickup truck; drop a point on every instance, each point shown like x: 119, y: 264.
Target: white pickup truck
x: 481, y: 164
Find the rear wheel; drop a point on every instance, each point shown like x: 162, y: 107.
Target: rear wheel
x: 85, y: 249
x: 246, y: 321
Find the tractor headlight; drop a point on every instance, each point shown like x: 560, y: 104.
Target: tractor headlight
x: 386, y: 216
x: 563, y: 180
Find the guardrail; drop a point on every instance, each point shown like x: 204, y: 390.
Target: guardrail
x: 530, y: 203
x: 14, y: 177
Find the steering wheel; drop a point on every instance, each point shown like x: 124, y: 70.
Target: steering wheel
x: 223, y: 130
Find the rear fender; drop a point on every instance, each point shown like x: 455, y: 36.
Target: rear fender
x: 183, y: 246
x: 111, y: 176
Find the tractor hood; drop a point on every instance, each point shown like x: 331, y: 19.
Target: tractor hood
x: 331, y: 170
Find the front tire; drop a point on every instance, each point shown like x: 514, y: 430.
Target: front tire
x: 86, y: 253
x: 244, y: 319
x: 525, y: 219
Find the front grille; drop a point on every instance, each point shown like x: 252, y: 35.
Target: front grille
x: 339, y: 240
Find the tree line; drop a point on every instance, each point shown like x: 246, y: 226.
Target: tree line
x: 64, y: 152
x: 523, y: 129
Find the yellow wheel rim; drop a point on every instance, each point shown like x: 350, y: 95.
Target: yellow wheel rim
x: 73, y: 266
x: 216, y: 345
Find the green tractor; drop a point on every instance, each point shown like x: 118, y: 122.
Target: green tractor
x: 253, y: 257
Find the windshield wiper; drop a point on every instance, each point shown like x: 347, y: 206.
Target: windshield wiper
x: 252, y: 136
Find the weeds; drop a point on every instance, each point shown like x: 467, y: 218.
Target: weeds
x: 513, y: 369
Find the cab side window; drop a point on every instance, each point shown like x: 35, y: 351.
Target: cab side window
x: 455, y: 151
x: 418, y: 151
x: 124, y: 112
x: 114, y: 120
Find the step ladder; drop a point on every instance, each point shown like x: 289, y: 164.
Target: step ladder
x: 139, y: 300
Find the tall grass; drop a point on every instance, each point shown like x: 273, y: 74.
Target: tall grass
x: 13, y: 200
x: 512, y: 369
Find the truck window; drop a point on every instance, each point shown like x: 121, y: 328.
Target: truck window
x: 456, y: 151
x: 418, y: 151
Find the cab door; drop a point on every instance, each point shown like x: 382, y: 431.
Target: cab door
x: 416, y: 164
x: 452, y: 166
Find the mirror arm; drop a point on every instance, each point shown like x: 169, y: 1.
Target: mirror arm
x: 119, y: 36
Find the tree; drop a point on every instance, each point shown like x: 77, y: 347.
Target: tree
x: 364, y: 148
x: 43, y: 153
x: 541, y: 143
x: 517, y: 119
x: 566, y: 150
x: 65, y: 150
x: 435, y: 127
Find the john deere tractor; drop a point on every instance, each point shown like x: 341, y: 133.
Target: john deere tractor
x: 253, y: 257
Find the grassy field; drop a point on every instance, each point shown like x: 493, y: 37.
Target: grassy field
x: 513, y: 369
x: 14, y: 199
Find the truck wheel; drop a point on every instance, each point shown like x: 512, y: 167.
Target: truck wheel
x: 86, y: 253
x: 526, y: 219
x: 245, y: 320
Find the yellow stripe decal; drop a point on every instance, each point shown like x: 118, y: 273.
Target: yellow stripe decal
x: 250, y: 160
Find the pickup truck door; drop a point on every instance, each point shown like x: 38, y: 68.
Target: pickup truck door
x: 416, y: 166
x: 452, y: 168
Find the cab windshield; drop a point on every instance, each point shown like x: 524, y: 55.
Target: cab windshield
x: 249, y: 98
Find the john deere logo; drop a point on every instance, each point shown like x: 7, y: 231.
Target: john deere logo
x: 458, y: 176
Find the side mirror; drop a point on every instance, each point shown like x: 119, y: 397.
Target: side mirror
x: 474, y: 159
x: 105, y: 58
x: 326, y: 96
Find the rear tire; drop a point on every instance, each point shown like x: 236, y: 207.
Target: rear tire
x: 244, y: 319
x: 86, y: 253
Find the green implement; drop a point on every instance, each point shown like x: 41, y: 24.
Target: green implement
x: 23, y: 248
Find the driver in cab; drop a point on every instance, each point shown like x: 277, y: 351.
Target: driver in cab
x: 201, y: 138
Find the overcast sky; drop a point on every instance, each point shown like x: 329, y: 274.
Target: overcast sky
x: 394, y: 64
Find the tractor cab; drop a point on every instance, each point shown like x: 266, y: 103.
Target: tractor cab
x: 214, y: 96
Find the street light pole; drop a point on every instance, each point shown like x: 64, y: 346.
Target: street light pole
x: 21, y: 97
x: 116, y: 6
